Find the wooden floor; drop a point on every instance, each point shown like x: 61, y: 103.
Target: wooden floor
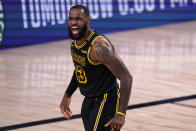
x: 161, y: 59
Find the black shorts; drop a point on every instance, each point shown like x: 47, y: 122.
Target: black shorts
x: 96, y: 112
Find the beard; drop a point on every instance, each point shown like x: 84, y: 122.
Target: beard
x: 81, y: 33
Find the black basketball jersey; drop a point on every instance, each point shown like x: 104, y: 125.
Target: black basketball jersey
x: 93, y: 79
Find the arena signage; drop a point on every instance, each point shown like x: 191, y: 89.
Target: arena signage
x: 37, y: 21
x: 38, y: 13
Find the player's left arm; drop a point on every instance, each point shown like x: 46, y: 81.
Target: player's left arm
x: 105, y: 53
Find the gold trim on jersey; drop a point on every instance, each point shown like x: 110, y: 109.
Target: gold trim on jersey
x: 83, y: 51
x: 100, y: 111
x: 88, y: 55
x: 84, y: 43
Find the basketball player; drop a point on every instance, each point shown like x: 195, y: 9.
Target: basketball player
x: 97, y: 66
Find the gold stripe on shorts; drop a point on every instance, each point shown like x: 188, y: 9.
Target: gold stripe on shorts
x: 117, y: 102
x: 100, y: 111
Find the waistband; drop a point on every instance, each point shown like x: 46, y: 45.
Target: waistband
x: 100, y: 96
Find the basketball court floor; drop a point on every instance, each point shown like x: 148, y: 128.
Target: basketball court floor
x: 161, y: 59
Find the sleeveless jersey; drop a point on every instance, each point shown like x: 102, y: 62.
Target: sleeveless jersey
x: 93, y: 79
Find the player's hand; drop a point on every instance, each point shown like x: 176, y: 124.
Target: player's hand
x: 64, y: 106
x: 116, y: 122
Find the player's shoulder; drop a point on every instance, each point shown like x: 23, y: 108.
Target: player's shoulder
x: 101, y: 41
x: 102, y: 49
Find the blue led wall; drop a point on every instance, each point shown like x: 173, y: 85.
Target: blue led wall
x: 26, y: 22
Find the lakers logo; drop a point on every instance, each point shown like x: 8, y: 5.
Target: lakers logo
x: 80, y: 74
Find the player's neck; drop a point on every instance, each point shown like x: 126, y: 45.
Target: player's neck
x: 81, y: 41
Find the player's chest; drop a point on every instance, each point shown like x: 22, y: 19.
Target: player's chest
x: 80, y: 56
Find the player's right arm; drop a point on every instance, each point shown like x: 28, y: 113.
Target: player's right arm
x: 65, y: 103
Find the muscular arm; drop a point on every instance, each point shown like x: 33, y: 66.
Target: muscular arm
x: 65, y: 103
x: 104, y: 52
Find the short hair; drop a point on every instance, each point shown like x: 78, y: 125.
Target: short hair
x: 86, y: 11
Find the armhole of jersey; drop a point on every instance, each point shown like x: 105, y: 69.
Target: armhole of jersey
x: 88, y: 54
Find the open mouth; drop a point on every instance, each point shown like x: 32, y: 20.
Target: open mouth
x: 75, y: 30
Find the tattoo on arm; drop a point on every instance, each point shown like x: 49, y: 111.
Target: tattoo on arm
x: 106, y: 54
